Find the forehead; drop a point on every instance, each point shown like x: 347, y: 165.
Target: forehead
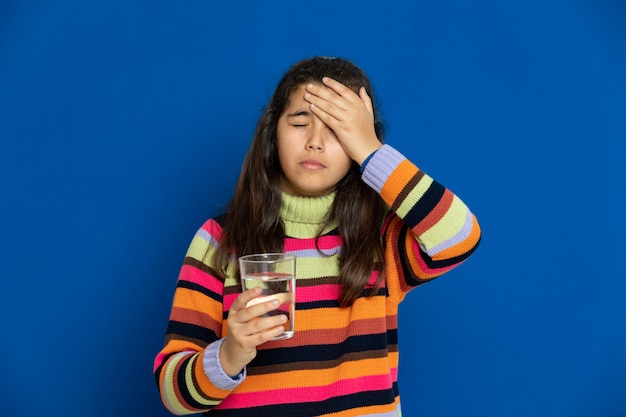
x: 296, y: 98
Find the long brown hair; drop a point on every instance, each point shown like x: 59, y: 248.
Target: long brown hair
x: 252, y: 223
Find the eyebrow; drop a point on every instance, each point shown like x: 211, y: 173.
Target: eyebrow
x: 299, y: 113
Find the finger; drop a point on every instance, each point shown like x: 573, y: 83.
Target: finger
x: 244, y: 298
x: 327, y: 111
x: 325, y: 98
x: 326, y: 115
x: 339, y: 88
x: 282, y: 297
x: 261, y: 337
x: 266, y: 324
x: 257, y: 310
x: 261, y: 330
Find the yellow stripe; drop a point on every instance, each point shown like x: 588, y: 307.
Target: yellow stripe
x: 311, y: 267
x: 198, y: 248
x: 448, y: 226
x: 414, y: 196
x: 168, y: 385
x: 192, y: 388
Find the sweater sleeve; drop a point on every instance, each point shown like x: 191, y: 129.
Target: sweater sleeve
x: 187, y: 370
x: 429, y: 230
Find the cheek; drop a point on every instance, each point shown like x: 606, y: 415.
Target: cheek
x: 342, y: 159
x: 282, y: 148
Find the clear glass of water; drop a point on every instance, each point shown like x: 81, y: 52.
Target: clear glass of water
x: 275, y: 274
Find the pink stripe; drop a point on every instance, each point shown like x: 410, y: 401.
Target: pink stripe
x: 229, y: 300
x: 310, y: 294
x: 308, y: 394
x: 373, y: 279
x: 324, y: 243
x: 317, y: 293
x: 212, y: 228
x: 191, y: 274
x: 303, y: 294
x: 158, y: 360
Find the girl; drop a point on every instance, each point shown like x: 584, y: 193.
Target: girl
x: 366, y: 226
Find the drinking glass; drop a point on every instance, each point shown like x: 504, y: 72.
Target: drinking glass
x: 275, y: 274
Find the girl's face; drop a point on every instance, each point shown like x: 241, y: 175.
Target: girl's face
x: 311, y: 157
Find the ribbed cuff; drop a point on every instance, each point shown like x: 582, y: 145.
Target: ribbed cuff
x: 384, y: 161
x: 214, y: 371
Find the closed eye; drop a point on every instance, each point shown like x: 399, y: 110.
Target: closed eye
x: 299, y: 118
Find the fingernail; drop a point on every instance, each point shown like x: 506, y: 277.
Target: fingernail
x: 309, y: 86
x: 275, y: 302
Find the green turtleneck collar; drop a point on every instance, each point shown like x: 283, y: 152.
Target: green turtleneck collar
x: 303, y: 216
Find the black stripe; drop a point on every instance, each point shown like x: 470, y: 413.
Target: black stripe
x: 425, y: 205
x: 409, y: 276
x: 157, y: 371
x: 443, y: 263
x: 182, y: 384
x: 392, y: 337
x: 191, y: 331
x: 313, y: 409
x: 199, y: 288
x: 367, y: 292
x: 315, y: 353
x: 311, y: 305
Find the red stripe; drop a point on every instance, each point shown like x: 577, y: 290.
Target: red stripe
x: 427, y: 272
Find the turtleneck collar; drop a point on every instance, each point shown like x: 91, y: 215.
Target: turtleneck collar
x: 305, y: 215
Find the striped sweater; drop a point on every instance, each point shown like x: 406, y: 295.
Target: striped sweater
x: 341, y: 362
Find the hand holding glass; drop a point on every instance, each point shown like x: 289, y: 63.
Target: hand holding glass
x: 275, y: 274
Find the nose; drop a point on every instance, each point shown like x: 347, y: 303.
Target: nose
x: 317, y: 137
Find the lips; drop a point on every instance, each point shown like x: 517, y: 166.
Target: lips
x: 312, y: 164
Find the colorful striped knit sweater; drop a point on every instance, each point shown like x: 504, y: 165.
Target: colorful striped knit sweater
x: 341, y: 362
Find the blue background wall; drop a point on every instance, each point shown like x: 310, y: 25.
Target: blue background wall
x: 123, y: 125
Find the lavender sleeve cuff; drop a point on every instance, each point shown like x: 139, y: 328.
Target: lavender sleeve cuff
x: 214, y: 371
x: 382, y: 163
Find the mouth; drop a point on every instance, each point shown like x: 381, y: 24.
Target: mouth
x: 312, y: 164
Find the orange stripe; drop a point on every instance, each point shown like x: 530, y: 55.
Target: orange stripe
x: 398, y: 180
x: 204, y: 384
x: 335, y: 318
x: 413, y: 259
x: 395, y: 283
x: 184, y: 298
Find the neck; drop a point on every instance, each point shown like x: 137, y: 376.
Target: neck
x: 305, y: 216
